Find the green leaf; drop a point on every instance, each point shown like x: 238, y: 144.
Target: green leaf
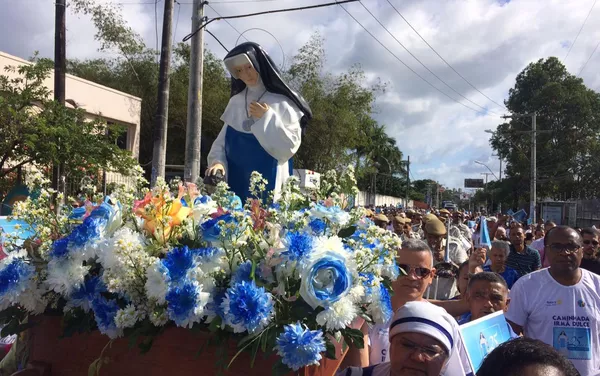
x: 329, y: 349
x: 215, y: 324
x: 94, y: 368
x: 354, y: 337
x: 347, y: 232
x: 146, y: 344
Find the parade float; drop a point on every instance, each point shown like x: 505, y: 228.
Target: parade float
x: 176, y: 281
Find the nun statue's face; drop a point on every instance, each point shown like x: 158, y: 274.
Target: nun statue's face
x: 247, y: 73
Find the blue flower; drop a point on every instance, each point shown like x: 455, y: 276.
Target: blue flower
x: 207, y: 254
x: 299, y: 244
x: 178, y: 262
x: 242, y: 273
x: 60, y: 248
x: 325, y: 281
x: 384, y: 305
x: 14, y: 277
x: 368, y: 282
x: 300, y: 347
x: 247, y: 307
x: 91, y: 229
x: 276, y: 206
x: 182, y: 303
x: 334, y: 213
x: 87, y: 292
x: 104, y: 313
x: 202, y: 200
x: 318, y: 226
x: 211, y: 230
x: 215, y: 306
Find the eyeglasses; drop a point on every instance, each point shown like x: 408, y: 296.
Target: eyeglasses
x: 419, y: 272
x: 592, y: 242
x: 429, y: 352
x: 567, y: 248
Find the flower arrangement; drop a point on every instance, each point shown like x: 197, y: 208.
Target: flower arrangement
x: 286, y: 276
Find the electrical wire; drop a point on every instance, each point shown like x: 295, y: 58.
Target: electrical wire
x: 403, y: 63
x: 217, y: 39
x: 176, y: 22
x: 444, y: 60
x: 189, y: 36
x: 579, y: 32
x: 156, y: 25
x: 420, y: 62
x: 228, y: 23
x: 588, y: 60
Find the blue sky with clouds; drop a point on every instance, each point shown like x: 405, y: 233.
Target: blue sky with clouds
x: 487, y: 41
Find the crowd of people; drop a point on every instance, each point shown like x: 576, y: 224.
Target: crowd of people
x: 544, y: 278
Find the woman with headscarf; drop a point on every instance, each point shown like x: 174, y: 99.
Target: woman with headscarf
x: 263, y: 123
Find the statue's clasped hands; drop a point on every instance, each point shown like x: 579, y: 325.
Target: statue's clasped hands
x: 258, y: 110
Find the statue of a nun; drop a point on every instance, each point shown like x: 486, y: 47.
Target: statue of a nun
x: 263, y: 123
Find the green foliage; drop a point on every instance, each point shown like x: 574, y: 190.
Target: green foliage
x: 567, y: 150
x: 38, y: 130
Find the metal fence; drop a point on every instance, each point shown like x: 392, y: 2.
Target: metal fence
x: 588, y: 213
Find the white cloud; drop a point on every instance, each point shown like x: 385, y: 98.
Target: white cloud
x: 488, y: 41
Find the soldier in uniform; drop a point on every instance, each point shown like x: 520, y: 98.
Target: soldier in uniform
x: 436, y: 238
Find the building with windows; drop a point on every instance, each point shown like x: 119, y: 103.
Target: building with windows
x: 97, y: 101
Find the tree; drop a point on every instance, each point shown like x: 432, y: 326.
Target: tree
x: 568, y: 166
x: 37, y: 130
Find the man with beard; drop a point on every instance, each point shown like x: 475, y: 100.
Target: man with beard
x: 559, y: 305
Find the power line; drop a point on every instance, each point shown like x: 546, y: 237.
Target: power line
x: 217, y: 39
x: 187, y: 37
x: 156, y: 25
x: 588, y: 60
x: 419, y: 61
x: 579, y: 32
x: 402, y: 62
x: 440, y: 56
x: 228, y: 23
x: 177, y: 21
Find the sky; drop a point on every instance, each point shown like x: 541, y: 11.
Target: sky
x: 488, y: 42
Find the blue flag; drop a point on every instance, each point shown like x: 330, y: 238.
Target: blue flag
x: 510, y: 212
x: 484, y: 237
x: 520, y: 216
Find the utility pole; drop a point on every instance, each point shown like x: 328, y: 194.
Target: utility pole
x: 500, y: 177
x: 407, y: 180
x: 60, y: 67
x: 437, y: 195
x: 532, y: 205
x: 534, y: 132
x: 194, y: 109
x: 159, y: 152
x: 486, y: 189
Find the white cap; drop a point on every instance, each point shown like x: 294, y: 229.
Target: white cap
x: 424, y: 318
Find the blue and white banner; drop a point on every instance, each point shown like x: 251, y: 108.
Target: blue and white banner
x: 482, y: 336
x: 484, y: 236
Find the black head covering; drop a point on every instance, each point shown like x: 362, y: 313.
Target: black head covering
x: 270, y: 75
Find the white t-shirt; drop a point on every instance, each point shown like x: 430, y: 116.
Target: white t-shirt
x: 379, y: 340
x: 565, y: 317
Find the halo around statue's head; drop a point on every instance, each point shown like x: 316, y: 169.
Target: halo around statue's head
x: 269, y: 74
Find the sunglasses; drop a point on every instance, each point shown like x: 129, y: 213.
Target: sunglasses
x: 592, y: 242
x: 419, y: 272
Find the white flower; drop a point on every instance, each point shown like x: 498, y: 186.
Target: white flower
x: 156, y: 284
x: 203, y: 209
x: 158, y: 317
x: 127, y: 317
x: 66, y: 275
x: 323, y: 244
x: 338, y: 315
